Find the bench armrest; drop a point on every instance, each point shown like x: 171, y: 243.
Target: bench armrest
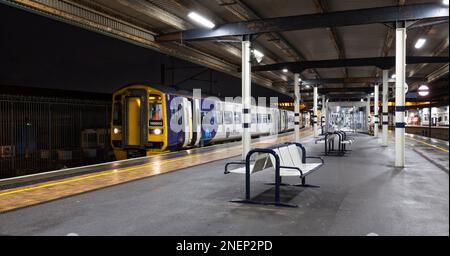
x: 317, y: 157
x: 232, y: 163
x: 293, y: 168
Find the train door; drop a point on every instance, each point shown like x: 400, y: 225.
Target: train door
x: 135, y: 119
x: 196, y: 122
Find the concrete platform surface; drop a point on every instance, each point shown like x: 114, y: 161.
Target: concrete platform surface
x: 358, y: 195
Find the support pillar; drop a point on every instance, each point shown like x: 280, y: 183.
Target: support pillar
x: 376, y: 105
x: 297, y: 107
x: 246, y: 96
x: 400, y: 67
x: 368, y: 113
x: 314, y: 116
x: 385, y: 113
x: 323, y: 114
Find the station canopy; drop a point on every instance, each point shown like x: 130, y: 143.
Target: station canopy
x: 159, y: 25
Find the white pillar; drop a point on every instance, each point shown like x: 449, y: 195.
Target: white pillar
x: 246, y: 97
x: 297, y: 107
x: 400, y: 67
x: 323, y: 114
x: 385, y: 108
x: 314, y: 117
x: 368, y: 113
x: 375, y: 110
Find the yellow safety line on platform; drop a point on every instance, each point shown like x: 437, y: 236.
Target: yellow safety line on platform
x: 431, y: 145
x: 109, y: 172
x: 113, y: 171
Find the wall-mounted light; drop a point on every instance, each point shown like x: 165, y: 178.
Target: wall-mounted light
x: 258, y: 55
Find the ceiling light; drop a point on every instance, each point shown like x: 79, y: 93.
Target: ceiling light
x: 285, y: 70
x: 257, y: 53
x: 424, y: 87
x: 201, y: 20
x: 393, y: 76
x: 299, y: 79
x: 420, y: 42
x: 445, y: 2
x: 423, y: 90
x: 425, y: 93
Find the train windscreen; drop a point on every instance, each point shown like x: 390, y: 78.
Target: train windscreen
x: 155, y: 111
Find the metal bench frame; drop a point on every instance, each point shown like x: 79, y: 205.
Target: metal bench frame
x: 277, y: 183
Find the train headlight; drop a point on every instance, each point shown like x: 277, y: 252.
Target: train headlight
x: 157, y: 131
x: 116, y: 130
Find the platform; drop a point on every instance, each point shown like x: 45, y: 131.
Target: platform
x: 359, y: 194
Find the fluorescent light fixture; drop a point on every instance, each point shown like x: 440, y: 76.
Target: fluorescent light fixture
x: 285, y: 70
x: 445, y: 2
x: 420, y: 43
x: 201, y: 20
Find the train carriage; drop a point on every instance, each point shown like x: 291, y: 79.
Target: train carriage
x: 154, y: 119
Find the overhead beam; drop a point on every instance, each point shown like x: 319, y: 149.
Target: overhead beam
x: 380, y: 62
x: 354, y: 80
x: 244, y: 12
x: 322, y: 7
x: 325, y: 90
x: 310, y: 21
x: 435, y: 75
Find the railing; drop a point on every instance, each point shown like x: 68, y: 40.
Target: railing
x: 44, y: 133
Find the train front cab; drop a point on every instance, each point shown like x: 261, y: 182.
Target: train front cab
x: 139, y: 123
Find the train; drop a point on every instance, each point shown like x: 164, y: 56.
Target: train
x: 153, y: 119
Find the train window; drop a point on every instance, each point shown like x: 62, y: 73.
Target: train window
x: 117, y: 114
x: 262, y: 118
x: 218, y: 117
x: 228, y: 117
x: 254, y: 119
x: 155, y: 111
x: 237, y: 117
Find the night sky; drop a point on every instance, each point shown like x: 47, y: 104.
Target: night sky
x: 40, y: 52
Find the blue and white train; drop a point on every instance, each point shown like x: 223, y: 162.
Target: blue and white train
x: 153, y: 119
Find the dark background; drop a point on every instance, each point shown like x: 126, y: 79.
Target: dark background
x: 40, y: 52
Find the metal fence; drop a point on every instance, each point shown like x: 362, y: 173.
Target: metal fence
x: 41, y: 133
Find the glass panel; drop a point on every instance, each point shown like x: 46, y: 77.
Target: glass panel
x: 156, y: 112
x: 237, y: 117
x: 228, y: 117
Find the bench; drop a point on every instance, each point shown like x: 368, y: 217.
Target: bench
x: 329, y: 139
x: 286, y: 160
x: 345, y: 140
